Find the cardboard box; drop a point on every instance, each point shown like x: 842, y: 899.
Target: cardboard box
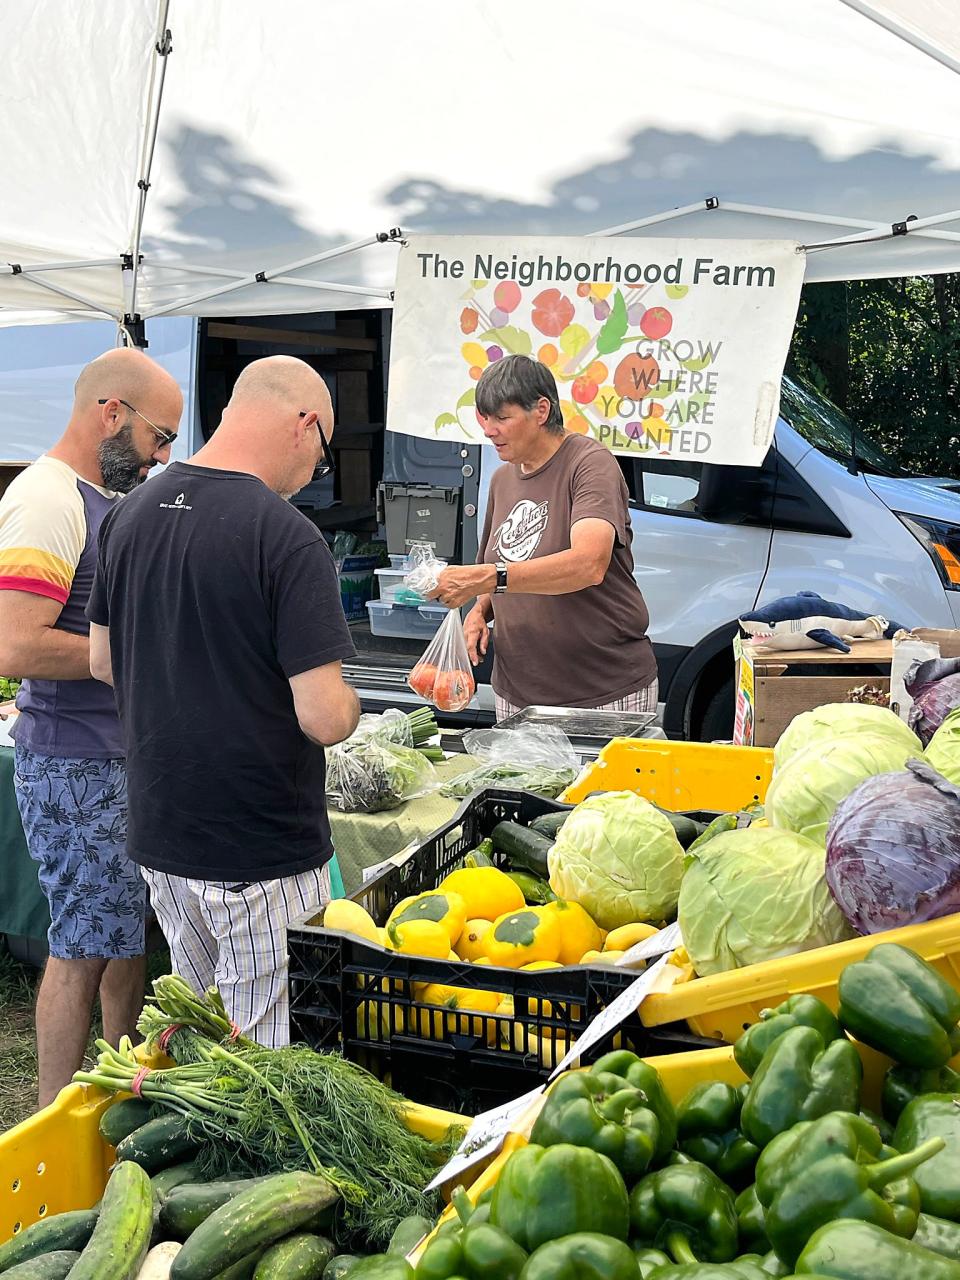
x: 772, y: 687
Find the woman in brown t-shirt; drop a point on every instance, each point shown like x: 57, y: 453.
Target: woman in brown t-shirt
x: 555, y: 570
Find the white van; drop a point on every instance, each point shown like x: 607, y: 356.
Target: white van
x: 827, y: 512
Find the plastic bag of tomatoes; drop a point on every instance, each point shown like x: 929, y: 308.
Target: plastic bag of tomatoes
x: 443, y: 675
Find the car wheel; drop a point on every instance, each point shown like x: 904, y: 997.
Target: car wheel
x: 716, y: 723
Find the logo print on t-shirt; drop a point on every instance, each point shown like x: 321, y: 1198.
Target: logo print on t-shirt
x: 519, y: 535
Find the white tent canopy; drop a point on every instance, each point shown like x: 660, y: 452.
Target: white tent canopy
x: 256, y: 159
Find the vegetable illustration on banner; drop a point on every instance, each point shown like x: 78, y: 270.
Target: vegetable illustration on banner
x: 673, y: 348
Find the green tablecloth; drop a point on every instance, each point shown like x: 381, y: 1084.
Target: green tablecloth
x: 23, y: 908
x: 360, y: 839
x: 364, y: 839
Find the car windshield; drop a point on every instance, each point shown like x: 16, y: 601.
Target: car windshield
x: 829, y: 429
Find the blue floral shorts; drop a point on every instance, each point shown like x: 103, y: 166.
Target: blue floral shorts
x: 74, y: 815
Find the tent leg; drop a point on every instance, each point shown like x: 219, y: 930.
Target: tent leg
x: 132, y: 332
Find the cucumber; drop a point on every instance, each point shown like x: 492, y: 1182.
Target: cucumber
x: 49, y: 1266
x: 174, y: 1176
x: 242, y: 1270
x: 408, y: 1234
x: 120, y: 1120
x: 186, y: 1206
x: 536, y: 892
x: 252, y: 1220
x: 157, y: 1263
x: 158, y: 1144
x: 549, y: 824
x: 58, y: 1232
x: 298, y: 1257
x: 525, y: 850
x: 685, y: 829
x: 340, y: 1266
x: 121, y: 1237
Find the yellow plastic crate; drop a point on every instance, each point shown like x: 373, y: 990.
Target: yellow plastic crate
x: 678, y: 775
x: 721, y: 1006
x: 56, y: 1160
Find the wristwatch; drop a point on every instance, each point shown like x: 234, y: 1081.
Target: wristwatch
x: 501, y: 579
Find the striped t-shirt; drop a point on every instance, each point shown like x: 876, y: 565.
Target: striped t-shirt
x: 49, y: 520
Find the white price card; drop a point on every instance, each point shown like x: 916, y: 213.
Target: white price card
x: 658, y: 944
x: 627, y: 1002
x: 485, y: 1136
x: 397, y: 860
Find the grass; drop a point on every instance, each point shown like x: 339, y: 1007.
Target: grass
x: 18, y: 1044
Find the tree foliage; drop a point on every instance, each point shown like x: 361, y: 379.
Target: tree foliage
x: 888, y: 353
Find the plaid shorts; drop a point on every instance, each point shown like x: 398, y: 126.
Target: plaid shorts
x: 74, y: 815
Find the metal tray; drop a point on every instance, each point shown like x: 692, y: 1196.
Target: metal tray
x: 588, y: 731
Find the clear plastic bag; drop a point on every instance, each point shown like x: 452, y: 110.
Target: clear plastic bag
x: 443, y: 675
x: 541, y: 760
x: 377, y: 767
x: 422, y: 576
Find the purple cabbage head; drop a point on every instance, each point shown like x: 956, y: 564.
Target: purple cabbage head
x: 893, y: 850
x: 934, y: 687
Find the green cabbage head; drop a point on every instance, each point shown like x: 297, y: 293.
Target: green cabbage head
x: 943, y: 750
x: 753, y: 895
x: 619, y: 858
x: 805, y: 792
x: 836, y: 720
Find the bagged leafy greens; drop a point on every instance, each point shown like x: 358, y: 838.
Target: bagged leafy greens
x: 893, y: 850
x: 540, y: 760
x: 377, y: 767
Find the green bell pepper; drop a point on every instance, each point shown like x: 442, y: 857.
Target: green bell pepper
x: 640, y: 1075
x: 798, y: 1011
x: 799, y: 1079
x: 599, y: 1110
x: 882, y: 1126
x: 750, y: 1225
x: 862, y: 1251
x: 546, y: 1192
x: 708, y: 1130
x: 833, y: 1168
x: 902, y: 1084
x: 897, y: 1003
x: 934, y: 1115
x: 649, y: 1259
x: 382, y: 1266
x: 741, y: 1269
x: 686, y: 1210
x: 477, y: 1251
x: 938, y: 1234
x: 584, y: 1255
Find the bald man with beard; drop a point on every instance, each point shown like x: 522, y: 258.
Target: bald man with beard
x: 216, y: 615
x: 69, y: 767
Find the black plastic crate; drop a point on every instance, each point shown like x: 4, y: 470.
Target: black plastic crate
x: 359, y: 997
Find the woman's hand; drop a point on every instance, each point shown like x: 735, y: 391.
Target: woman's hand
x: 476, y: 632
x: 460, y: 583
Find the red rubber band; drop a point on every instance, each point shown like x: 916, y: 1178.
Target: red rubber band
x: 137, y: 1082
x: 234, y: 1031
x: 165, y: 1036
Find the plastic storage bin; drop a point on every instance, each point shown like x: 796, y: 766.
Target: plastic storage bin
x: 679, y: 775
x: 56, y: 1160
x: 719, y: 1007
x: 389, y: 619
x: 420, y: 513
x: 357, y: 996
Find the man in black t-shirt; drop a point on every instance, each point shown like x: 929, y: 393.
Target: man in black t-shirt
x: 216, y: 615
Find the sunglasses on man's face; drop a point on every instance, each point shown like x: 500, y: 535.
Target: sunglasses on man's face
x: 163, y: 437
x: 327, y: 465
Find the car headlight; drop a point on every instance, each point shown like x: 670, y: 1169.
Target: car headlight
x: 941, y: 542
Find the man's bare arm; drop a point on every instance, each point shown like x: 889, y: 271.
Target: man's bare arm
x: 101, y: 664
x: 326, y: 706
x: 30, y: 644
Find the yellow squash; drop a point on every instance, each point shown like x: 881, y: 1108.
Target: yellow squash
x: 436, y: 906
x: 487, y: 892
x: 447, y: 1018
x: 349, y: 917
x: 469, y: 945
x: 627, y: 936
x: 578, y: 932
x: 420, y: 938
x: 519, y: 937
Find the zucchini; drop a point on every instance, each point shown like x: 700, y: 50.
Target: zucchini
x: 49, y: 1266
x: 120, y: 1120
x: 157, y: 1263
x: 524, y: 850
x: 252, y: 1220
x: 59, y: 1232
x: 186, y: 1206
x: 685, y: 829
x: 340, y: 1266
x: 535, y: 891
x: 549, y: 824
x: 408, y: 1234
x: 121, y: 1237
x: 299, y: 1257
x: 159, y: 1143
x: 174, y: 1176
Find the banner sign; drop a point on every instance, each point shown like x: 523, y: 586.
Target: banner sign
x: 673, y: 348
